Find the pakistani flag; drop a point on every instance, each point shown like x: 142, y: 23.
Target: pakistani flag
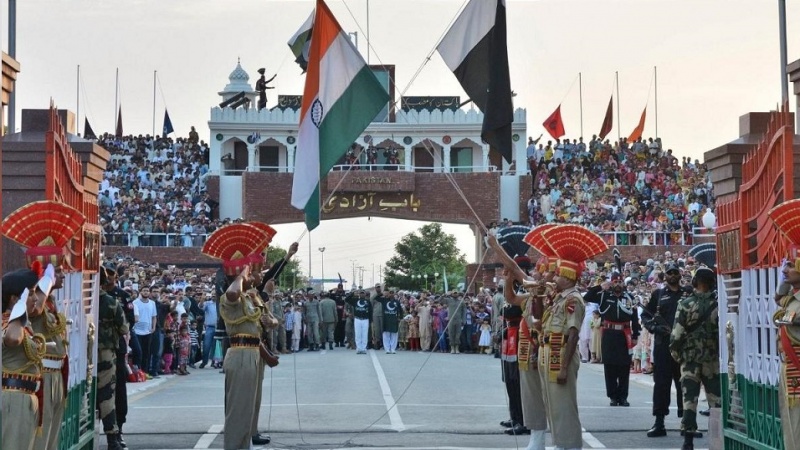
x: 340, y: 99
x: 300, y: 43
x: 475, y: 49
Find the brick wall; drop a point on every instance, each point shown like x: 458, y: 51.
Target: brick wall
x: 436, y: 197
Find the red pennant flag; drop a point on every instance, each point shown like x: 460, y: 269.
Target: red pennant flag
x: 554, y: 125
x: 608, y: 122
x: 637, y: 132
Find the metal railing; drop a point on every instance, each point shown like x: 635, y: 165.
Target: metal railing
x: 139, y: 239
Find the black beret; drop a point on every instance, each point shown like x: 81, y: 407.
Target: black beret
x: 17, y: 281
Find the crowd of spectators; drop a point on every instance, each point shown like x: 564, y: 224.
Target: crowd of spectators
x: 153, y: 191
x: 635, y: 193
x: 184, y: 298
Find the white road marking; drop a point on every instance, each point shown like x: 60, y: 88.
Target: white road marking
x: 394, y: 415
x: 206, y: 439
x: 592, y: 441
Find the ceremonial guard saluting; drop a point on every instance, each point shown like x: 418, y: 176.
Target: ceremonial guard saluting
x: 22, y: 356
x: 787, y: 319
x: 559, y: 359
x: 658, y: 317
x: 695, y: 345
x: 44, y: 228
x: 620, y: 333
x: 239, y: 308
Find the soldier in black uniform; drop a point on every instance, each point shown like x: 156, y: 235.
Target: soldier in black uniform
x: 339, y: 333
x: 658, y: 317
x: 620, y: 333
x: 121, y: 393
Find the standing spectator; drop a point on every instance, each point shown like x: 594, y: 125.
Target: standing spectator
x: 425, y: 324
x: 327, y: 309
x: 144, y: 328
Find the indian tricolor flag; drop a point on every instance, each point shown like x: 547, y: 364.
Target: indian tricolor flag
x: 340, y: 99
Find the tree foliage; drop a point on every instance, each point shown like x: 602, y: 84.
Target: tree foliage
x: 426, y: 251
x: 291, y: 277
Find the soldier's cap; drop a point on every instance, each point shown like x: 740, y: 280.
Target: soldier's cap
x: 705, y: 275
x: 15, y: 282
x: 671, y: 267
x: 262, y: 70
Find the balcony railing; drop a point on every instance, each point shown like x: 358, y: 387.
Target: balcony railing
x: 612, y: 238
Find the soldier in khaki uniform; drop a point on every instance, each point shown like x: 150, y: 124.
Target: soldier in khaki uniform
x: 329, y: 317
x: 44, y: 228
x: 695, y: 345
x: 561, y: 321
x: 240, y: 307
x: 22, y: 355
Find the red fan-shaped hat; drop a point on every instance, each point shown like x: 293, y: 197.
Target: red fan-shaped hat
x: 44, y: 228
x: 258, y: 258
x: 234, y: 244
x: 535, y: 239
x: 787, y: 218
x: 573, y: 244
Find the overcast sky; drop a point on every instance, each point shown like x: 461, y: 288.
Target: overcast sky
x: 716, y: 59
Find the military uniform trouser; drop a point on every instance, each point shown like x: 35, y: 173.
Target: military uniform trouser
x: 241, y: 384
x: 20, y: 417
x: 339, y: 332
x: 52, y: 412
x: 313, y: 331
x: 377, y: 331
x: 665, y: 372
x: 532, y: 402
x: 692, y: 376
x: 511, y: 379
x: 454, y: 333
x: 121, y: 392
x: 261, y: 369
x: 328, y: 329
x: 350, y: 332
x: 106, y: 389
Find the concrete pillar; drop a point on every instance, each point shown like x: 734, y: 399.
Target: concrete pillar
x: 407, y: 154
x: 485, y: 158
x: 477, y: 230
x: 446, y: 158
x: 252, y: 157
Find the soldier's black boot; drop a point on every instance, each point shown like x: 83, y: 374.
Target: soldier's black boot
x: 120, y: 439
x: 113, y: 442
x: 330, y: 345
x: 688, y: 442
x: 658, y: 429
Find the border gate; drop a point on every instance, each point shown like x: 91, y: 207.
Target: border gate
x: 749, y: 252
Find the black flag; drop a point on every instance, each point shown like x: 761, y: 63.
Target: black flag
x: 88, y: 132
x: 476, y: 50
x: 167, y: 124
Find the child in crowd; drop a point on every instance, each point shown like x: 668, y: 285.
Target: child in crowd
x: 413, y: 331
x: 597, y: 335
x: 485, y: 339
x: 183, y: 346
x: 195, y: 343
x: 402, y: 333
x: 166, y: 358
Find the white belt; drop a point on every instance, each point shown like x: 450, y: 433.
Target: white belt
x: 52, y: 364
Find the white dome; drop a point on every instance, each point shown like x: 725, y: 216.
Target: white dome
x: 238, y: 74
x: 238, y: 81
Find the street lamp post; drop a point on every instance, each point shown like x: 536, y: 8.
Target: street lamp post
x: 435, y: 278
x: 426, y: 280
x: 322, y: 266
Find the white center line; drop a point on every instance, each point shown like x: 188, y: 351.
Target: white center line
x: 206, y: 439
x: 592, y: 441
x: 394, y: 414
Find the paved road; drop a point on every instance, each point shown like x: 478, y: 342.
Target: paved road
x: 337, y: 399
